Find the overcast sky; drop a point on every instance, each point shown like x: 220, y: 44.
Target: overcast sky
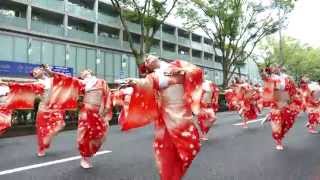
x: 304, y: 22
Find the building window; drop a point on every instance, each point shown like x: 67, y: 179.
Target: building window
x: 88, y: 4
x: 12, y: 9
x: 107, y: 9
x: 168, y: 29
x: 80, y: 25
x: 105, y: 31
x: 196, y: 38
x: 183, y: 50
x: 208, y: 57
x: 47, y: 17
x: 169, y: 46
x: 208, y: 41
x: 196, y: 54
x: 218, y: 58
x: 183, y: 34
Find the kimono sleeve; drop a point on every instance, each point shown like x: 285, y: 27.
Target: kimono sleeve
x: 65, y: 92
x: 22, y: 95
x: 215, y: 96
x: 192, y: 84
x: 106, y: 101
x: 268, y: 92
x: 143, y: 108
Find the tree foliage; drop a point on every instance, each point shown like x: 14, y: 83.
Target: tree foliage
x: 149, y: 14
x: 299, y: 59
x: 235, y: 26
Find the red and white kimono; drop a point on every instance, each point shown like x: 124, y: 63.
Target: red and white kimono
x: 209, y: 105
x: 282, y: 96
x: 95, y: 113
x: 17, y: 96
x: 311, y: 94
x: 5, y: 113
x: 61, y: 94
x: 170, y: 107
x: 122, y: 97
x: 231, y: 99
x: 247, y: 98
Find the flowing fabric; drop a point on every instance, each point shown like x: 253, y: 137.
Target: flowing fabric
x: 243, y: 98
x: 231, y: 99
x: 23, y: 95
x: 268, y: 92
x: 94, y: 119
x: 5, y: 119
x: 311, y: 103
x: 122, y: 98
x: 285, y: 106
x: 65, y: 92
x: 62, y: 95
x: 209, y: 105
x: 176, y: 137
x: 48, y: 123
x: 248, y: 100
x: 19, y: 96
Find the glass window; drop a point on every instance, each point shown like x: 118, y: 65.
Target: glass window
x: 91, y: 59
x: 47, y: 53
x: 133, y: 67
x: 124, y: 66
x: 81, y: 59
x: 35, y: 52
x: 71, y: 58
x: 109, y: 66
x: 117, y: 66
x: 6, y: 48
x: 20, y: 49
x: 100, y: 65
x: 59, y: 55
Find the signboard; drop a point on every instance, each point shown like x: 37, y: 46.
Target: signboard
x: 17, y: 69
x: 64, y: 70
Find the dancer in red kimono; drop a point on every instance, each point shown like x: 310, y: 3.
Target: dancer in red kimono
x: 95, y: 113
x: 169, y: 95
x: 311, y: 92
x: 209, y: 105
x: 258, y: 96
x: 285, y: 102
x: 231, y: 97
x: 61, y: 94
x: 247, y: 98
x: 242, y: 97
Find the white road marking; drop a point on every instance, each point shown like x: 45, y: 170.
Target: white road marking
x: 24, y: 168
x: 249, y: 122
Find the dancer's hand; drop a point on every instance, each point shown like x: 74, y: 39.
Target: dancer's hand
x: 47, y: 69
x: 45, y: 66
x: 176, y: 71
x: 131, y: 81
x: 3, y: 83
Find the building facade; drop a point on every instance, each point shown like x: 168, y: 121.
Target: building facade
x: 88, y: 34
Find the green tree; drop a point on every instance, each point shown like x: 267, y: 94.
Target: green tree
x: 149, y: 14
x: 299, y: 59
x: 235, y: 26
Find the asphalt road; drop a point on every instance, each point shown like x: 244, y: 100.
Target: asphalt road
x: 232, y: 153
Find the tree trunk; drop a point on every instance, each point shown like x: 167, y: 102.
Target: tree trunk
x: 225, y: 79
x: 139, y: 59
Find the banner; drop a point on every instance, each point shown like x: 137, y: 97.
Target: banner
x: 18, y: 69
